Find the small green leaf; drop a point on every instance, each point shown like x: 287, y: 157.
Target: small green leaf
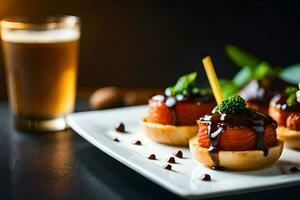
x: 184, y: 85
x: 242, y: 77
x: 205, y: 91
x: 291, y: 74
x: 184, y: 82
x: 196, y: 90
x: 262, y: 70
x: 292, y: 97
x: 240, y: 57
x: 290, y: 90
x: 228, y: 88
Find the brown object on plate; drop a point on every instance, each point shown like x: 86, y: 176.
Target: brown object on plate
x: 121, y: 128
x: 152, y: 157
x: 205, y: 177
x: 171, y: 160
x: 137, y: 142
x: 168, y: 167
x: 116, y: 140
x: 178, y: 154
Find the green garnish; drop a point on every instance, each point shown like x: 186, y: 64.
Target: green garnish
x: 292, y: 97
x: 228, y: 88
x: 252, y: 68
x: 291, y: 90
x: 186, y: 85
x: 255, y: 68
x: 291, y: 74
x: 240, y: 57
x: 231, y: 105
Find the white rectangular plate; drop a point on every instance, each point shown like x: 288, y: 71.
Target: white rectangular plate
x: 98, y: 127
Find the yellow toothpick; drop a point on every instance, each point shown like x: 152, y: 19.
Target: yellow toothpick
x: 212, y: 78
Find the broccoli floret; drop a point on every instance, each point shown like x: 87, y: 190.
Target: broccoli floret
x: 231, y: 105
x: 291, y: 93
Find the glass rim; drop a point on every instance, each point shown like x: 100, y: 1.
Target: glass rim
x: 40, y: 22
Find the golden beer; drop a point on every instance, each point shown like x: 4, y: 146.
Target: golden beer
x: 41, y: 69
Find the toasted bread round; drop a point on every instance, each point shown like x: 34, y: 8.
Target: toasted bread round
x: 290, y: 137
x: 169, y: 134
x: 237, y: 160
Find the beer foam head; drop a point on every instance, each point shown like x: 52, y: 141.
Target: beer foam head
x: 44, y: 36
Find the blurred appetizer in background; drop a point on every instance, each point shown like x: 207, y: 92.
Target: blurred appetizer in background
x: 108, y: 97
x: 257, y: 81
x: 285, y: 109
x: 234, y: 137
x: 172, y: 118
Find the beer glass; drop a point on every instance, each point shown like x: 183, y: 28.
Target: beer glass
x: 40, y: 56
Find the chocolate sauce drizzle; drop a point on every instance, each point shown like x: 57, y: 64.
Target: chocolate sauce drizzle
x: 279, y: 102
x: 171, y: 101
x: 217, y: 123
x: 294, y: 169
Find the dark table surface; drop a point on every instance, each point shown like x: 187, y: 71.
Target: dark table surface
x: 64, y: 166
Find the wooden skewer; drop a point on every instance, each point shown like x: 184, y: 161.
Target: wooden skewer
x: 212, y: 78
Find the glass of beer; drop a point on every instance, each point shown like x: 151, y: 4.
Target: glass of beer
x: 40, y: 56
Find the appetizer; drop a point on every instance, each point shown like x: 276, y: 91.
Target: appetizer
x: 172, y: 118
x: 285, y: 109
x: 258, y: 93
x: 234, y: 137
x: 257, y: 81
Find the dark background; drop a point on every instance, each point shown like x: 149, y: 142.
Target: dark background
x: 151, y: 42
x: 137, y: 43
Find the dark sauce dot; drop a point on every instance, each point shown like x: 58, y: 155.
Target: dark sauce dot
x: 168, y: 167
x: 116, y: 140
x: 171, y: 160
x: 178, y: 154
x: 293, y: 169
x: 152, y: 157
x: 137, y: 142
x: 205, y: 177
x: 121, y: 128
x: 220, y: 168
